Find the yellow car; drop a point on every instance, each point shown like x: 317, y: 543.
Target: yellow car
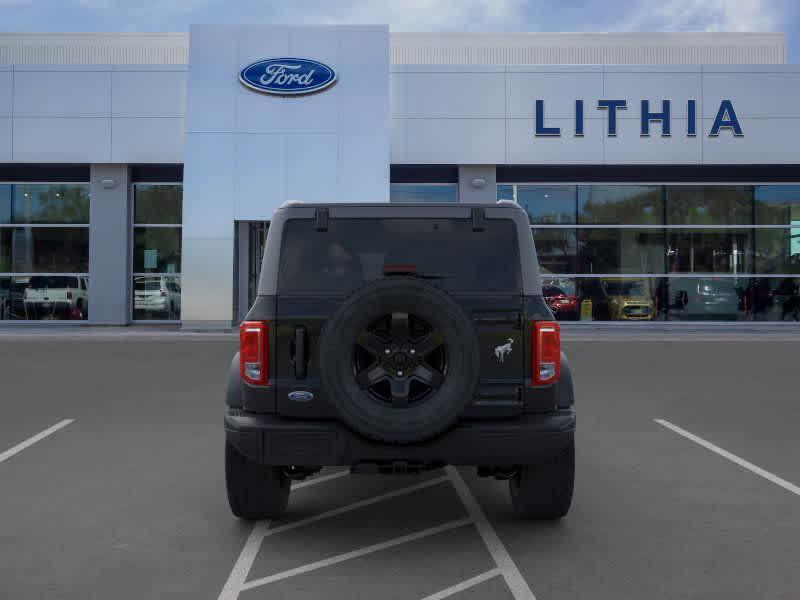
x: 628, y: 299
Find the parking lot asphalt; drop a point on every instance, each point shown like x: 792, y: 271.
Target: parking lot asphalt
x: 124, y: 496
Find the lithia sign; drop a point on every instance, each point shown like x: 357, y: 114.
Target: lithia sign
x: 726, y: 119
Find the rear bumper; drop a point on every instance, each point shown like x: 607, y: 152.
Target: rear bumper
x: 49, y: 303
x: 273, y: 440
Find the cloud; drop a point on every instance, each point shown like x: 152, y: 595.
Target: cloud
x: 153, y: 8
x: 413, y: 15
x: 705, y: 15
x: 401, y: 15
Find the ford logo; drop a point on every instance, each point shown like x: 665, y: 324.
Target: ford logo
x: 301, y: 396
x: 287, y: 76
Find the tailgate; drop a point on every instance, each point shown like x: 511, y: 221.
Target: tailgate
x: 46, y: 295
x: 498, y: 323
x: 297, y: 336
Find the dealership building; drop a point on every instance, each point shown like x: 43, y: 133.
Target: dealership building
x: 139, y: 172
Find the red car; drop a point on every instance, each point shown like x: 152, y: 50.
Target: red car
x: 563, y: 305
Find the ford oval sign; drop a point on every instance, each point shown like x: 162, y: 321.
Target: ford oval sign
x: 301, y: 396
x: 287, y: 76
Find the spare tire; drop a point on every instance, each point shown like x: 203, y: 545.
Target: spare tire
x: 399, y: 360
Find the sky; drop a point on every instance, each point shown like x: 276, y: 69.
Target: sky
x: 414, y: 15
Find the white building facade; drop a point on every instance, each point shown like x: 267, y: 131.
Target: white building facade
x: 138, y: 173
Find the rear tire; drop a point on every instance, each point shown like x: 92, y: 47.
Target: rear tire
x: 255, y: 491
x: 544, y: 491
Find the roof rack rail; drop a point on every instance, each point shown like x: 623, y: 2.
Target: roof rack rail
x: 321, y: 219
x: 478, y: 219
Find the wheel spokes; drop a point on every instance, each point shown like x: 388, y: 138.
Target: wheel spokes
x: 429, y: 343
x: 370, y: 376
x: 400, y: 391
x: 371, y: 343
x: 428, y: 376
x: 397, y: 365
x: 401, y: 330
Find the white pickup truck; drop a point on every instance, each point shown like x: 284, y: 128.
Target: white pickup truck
x: 156, y: 297
x: 56, y: 297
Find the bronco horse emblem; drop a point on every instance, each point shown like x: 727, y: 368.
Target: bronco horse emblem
x: 501, y: 351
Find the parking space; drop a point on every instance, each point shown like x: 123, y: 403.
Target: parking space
x: 127, y: 500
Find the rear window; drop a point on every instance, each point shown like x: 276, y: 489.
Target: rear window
x: 40, y: 282
x: 551, y: 290
x: 710, y: 287
x: 445, y: 252
x: 147, y: 285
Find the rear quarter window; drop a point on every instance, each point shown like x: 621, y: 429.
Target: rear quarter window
x: 445, y: 252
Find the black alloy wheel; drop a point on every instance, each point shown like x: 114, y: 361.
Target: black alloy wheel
x: 400, y: 359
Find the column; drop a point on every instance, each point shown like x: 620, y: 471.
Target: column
x: 477, y: 184
x: 109, y: 245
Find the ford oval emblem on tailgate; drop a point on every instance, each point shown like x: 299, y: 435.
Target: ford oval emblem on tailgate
x: 287, y: 76
x: 301, y: 396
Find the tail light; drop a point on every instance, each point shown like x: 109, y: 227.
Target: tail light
x: 545, y: 352
x: 254, y: 352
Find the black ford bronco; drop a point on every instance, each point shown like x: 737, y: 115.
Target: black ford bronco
x: 399, y: 338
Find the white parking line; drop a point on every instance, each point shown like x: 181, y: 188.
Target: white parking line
x: 234, y: 586
x: 237, y: 580
x: 245, y: 562
x: 464, y: 585
x: 514, y: 580
x: 355, y: 505
x: 788, y: 486
x: 33, y: 439
x: 411, y: 537
x: 320, y: 479
x: 247, y: 556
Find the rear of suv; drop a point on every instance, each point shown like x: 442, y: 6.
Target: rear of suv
x: 395, y: 339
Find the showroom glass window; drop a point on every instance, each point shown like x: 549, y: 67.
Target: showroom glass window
x: 156, y: 286
x: 679, y: 251
x: 423, y: 192
x: 777, y: 210
x: 620, y: 205
x: 545, y: 205
x: 44, y: 251
x: 709, y: 205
